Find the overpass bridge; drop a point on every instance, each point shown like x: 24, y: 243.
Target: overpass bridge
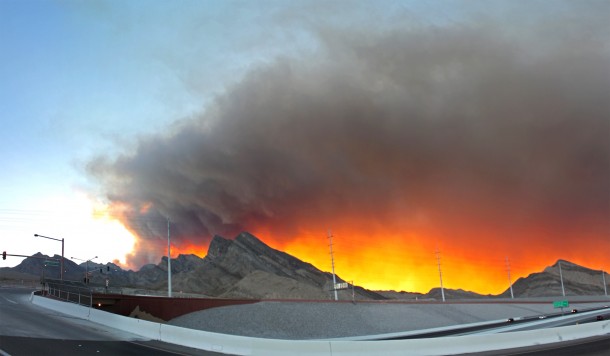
x: 155, y: 308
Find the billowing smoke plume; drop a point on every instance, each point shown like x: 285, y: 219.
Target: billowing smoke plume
x: 445, y: 127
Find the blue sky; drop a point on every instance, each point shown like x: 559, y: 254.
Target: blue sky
x: 80, y: 79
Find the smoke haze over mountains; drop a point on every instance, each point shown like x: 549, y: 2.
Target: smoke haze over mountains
x: 473, y: 132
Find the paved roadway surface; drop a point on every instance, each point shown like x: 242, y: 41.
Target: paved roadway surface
x: 27, y: 329
x: 595, y: 346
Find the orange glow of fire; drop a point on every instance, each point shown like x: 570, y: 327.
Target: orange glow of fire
x: 382, y: 260
x: 399, y: 256
x: 188, y: 249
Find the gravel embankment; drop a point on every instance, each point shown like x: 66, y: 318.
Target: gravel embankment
x: 319, y: 320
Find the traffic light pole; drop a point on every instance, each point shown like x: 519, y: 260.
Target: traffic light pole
x: 61, y: 272
x: 42, y: 258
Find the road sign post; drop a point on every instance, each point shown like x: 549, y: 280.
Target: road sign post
x: 342, y: 285
x: 561, y: 304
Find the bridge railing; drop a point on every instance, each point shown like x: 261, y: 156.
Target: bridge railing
x: 143, y: 291
x: 70, y: 291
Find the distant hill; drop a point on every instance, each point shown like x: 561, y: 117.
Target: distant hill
x: 577, y: 280
x: 35, y: 265
x: 245, y: 267
x: 433, y: 294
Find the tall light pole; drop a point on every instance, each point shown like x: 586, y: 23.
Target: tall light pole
x: 169, y: 264
x: 440, y: 272
x: 86, y: 267
x: 563, y: 291
x: 510, y: 282
x: 61, y: 271
x: 332, y: 263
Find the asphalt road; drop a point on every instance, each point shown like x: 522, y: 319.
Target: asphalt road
x: 595, y: 346
x: 19, y: 345
x: 26, y: 329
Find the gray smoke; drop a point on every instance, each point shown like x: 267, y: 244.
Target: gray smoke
x: 466, y: 124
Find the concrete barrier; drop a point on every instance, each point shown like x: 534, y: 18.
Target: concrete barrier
x: 68, y: 308
x: 139, y: 327
x: 262, y: 347
x: 231, y: 344
x: 471, y: 343
x: 404, y: 334
x: 241, y: 345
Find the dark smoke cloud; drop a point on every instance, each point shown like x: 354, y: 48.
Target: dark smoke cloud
x: 463, y: 124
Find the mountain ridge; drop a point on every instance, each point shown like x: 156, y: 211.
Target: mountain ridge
x: 245, y: 267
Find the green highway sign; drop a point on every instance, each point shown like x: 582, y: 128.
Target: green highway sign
x: 561, y: 304
x: 51, y: 263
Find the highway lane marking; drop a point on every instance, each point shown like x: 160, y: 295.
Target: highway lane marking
x: 12, y: 301
x: 4, y: 353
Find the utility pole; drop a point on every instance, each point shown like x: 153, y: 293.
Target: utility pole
x: 563, y: 291
x: 440, y: 273
x: 332, y: 263
x: 604, y: 281
x: 86, y: 280
x: 169, y: 264
x: 510, y: 283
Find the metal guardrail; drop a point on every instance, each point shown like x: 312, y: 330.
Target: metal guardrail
x: 70, y: 291
x: 143, y: 292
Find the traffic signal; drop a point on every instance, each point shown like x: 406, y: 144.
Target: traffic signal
x: 4, y: 255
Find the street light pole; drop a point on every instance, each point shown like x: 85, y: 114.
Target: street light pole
x: 169, y: 264
x: 440, y: 272
x: 61, y: 271
x: 563, y: 291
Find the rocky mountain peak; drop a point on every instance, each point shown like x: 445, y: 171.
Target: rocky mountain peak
x: 247, y: 253
x: 577, y: 280
x: 233, y: 260
x: 218, y: 247
x: 567, y: 266
x: 187, y: 258
x: 247, y: 239
x: 186, y: 263
x: 564, y: 263
x: 182, y: 263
